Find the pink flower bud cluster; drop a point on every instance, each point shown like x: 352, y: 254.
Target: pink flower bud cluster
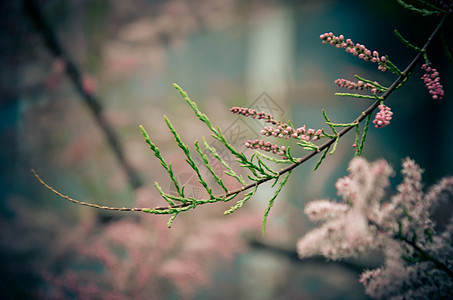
x: 266, y: 146
x: 359, y: 85
x: 286, y: 131
x: 355, y: 49
x: 431, y: 79
x: 281, y: 130
x: 249, y: 112
x: 383, y: 117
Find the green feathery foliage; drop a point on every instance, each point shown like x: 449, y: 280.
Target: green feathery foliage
x: 256, y: 168
x: 422, y: 11
x: 271, y: 201
x: 406, y: 42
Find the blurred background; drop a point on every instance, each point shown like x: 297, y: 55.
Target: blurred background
x: 79, y: 76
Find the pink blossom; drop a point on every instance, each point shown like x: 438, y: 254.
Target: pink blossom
x: 283, y: 130
x: 357, y: 50
x: 254, y: 114
x: 383, y: 117
x: 266, y: 146
x: 432, y: 81
x: 322, y: 210
x: 359, y: 85
x: 370, y: 221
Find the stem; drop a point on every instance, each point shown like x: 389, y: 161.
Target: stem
x: 404, y: 75
x: 81, y: 202
x: 440, y: 265
x: 425, y: 255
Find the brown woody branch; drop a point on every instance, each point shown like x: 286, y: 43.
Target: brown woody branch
x: 55, y: 47
x: 404, y: 75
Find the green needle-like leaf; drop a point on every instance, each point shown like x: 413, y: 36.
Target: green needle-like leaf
x: 240, y: 203
x: 189, y: 159
x: 376, y: 84
x: 342, y: 124
x: 365, y: 131
x: 194, y: 107
x: 172, y: 218
x: 406, y: 42
x: 356, y: 96
x: 423, y: 12
x: 321, y: 158
x: 328, y: 122
x: 307, y: 145
x: 335, y: 144
x: 230, y: 171
x: 273, y: 159
x: 271, y: 201
x: 157, y: 154
x: 204, y: 157
x: 217, y: 133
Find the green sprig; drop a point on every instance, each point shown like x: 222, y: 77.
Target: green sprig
x: 422, y: 11
x: 189, y: 159
x: 194, y: 107
x: 170, y: 221
x: 273, y: 159
x: 431, y: 5
x: 321, y: 158
x: 289, y: 156
x: 229, y: 171
x: 266, y: 170
x: 362, y: 140
x: 166, y: 166
x: 376, y: 84
x: 335, y: 144
x: 356, y: 96
x: 328, y: 122
x: 240, y: 203
x: 271, y: 201
x: 406, y: 42
x: 342, y: 124
x: 392, y: 68
x: 204, y: 157
x: 217, y: 133
x: 307, y: 145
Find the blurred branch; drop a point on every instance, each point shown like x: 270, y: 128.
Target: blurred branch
x: 317, y: 260
x: 54, y: 46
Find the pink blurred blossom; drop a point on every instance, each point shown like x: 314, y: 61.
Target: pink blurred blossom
x: 367, y: 220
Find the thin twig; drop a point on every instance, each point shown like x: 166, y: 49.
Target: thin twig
x: 292, y: 255
x: 81, y: 202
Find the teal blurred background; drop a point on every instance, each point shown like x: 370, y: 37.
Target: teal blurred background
x: 224, y: 53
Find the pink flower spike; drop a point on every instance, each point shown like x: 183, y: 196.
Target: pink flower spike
x: 431, y: 80
x: 265, y: 146
x: 355, y: 49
